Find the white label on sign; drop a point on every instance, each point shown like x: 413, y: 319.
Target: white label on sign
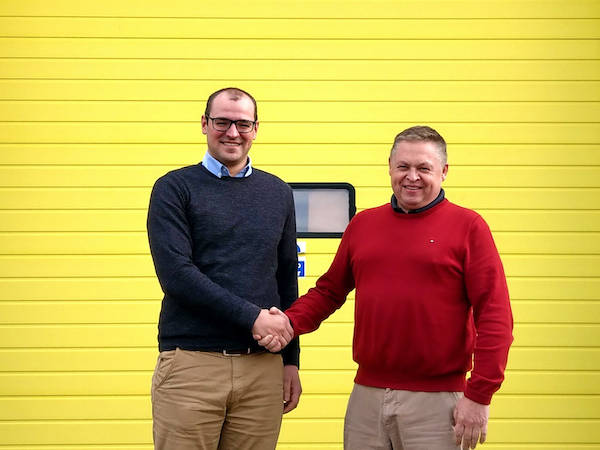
x: 301, y: 246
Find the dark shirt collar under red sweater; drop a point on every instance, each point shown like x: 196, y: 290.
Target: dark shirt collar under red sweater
x: 397, y: 208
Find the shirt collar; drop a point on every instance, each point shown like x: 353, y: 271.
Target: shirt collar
x: 219, y: 170
x: 437, y: 200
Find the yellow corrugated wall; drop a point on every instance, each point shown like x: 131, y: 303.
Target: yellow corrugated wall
x: 99, y: 98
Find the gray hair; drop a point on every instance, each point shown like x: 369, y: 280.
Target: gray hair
x: 422, y: 133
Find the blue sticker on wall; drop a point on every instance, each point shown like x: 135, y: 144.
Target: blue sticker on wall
x: 301, y: 267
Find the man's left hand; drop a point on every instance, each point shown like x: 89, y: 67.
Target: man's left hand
x: 291, y: 388
x: 470, y: 423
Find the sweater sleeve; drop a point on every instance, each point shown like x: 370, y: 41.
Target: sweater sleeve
x: 287, y: 277
x: 329, y: 293
x: 171, y: 246
x: 488, y: 294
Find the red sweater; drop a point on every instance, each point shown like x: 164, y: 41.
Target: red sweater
x: 430, y: 294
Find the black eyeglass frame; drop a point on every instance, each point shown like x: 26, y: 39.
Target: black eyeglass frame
x: 233, y: 122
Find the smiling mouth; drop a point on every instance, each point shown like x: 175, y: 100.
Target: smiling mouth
x: 412, y: 188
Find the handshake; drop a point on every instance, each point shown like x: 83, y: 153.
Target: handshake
x: 272, y: 329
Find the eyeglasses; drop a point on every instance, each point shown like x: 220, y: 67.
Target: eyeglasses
x: 223, y: 124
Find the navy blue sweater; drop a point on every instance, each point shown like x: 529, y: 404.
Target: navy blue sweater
x: 223, y: 248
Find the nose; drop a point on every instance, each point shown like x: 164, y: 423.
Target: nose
x: 413, y: 174
x: 232, y: 131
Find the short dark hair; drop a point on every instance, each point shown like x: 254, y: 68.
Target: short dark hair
x: 234, y: 94
x: 423, y: 133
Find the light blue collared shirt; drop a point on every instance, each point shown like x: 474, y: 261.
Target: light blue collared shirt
x: 219, y: 170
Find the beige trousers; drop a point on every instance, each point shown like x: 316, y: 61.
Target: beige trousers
x: 388, y: 419
x: 209, y: 401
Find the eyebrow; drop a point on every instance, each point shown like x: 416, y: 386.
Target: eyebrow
x: 423, y: 163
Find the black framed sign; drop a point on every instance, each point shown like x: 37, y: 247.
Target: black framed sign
x: 323, y: 210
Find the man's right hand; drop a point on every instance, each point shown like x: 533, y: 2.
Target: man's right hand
x: 272, y: 329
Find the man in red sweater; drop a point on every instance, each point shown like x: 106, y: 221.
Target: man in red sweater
x: 431, y: 304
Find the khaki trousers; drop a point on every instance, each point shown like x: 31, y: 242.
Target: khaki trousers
x: 209, y: 401
x: 388, y: 419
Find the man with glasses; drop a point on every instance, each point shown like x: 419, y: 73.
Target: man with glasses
x: 223, y: 239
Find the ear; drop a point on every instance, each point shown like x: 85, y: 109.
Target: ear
x: 204, y: 125
x: 255, y: 131
x: 444, y: 172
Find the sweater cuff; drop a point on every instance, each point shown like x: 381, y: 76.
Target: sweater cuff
x: 477, y: 397
x: 249, y: 316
